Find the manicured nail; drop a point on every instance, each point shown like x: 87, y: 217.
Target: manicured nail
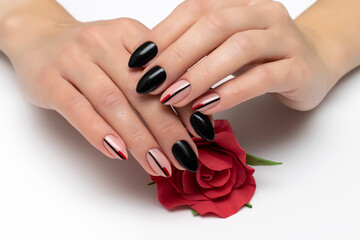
x: 151, y: 80
x: 185, y: 155
x: 202, y: 126
x: 143, y: 54
x: 158, y: 162
x: 206, y: 102
x: 176, y: 92
x: 115, y: 148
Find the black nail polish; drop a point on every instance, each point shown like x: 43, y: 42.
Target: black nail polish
x: 185, y: 155
x: 143, y: 54
x: 203, y: 126
x: 151, y: 80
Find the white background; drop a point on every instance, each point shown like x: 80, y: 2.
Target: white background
x: 54, y: 185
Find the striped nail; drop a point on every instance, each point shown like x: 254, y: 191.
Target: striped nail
x: 176, y: 92
x: 113, y: 145
x: 158, y: 162
x: 206, y: 102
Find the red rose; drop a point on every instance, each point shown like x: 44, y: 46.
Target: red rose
x: 223, y: 183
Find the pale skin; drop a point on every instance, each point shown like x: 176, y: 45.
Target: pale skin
x: 80, y: 69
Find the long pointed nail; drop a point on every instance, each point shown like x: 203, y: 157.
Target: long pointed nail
x: 176, y: 92
x: 203, y: 126
x: 185, y: 155
x: 143, y: 54
x: 117, y: 149
x: 158, y: 162
x: 151, y: 80
x: 206, y: 102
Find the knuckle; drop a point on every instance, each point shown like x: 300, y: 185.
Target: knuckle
x: 217, y: 20
x: 279, y: 10
x: 232, y: 90
x: 242, y: 41
x: 109, y: 98
x: 92, y: 36
x: 175, y: 55
x: 166, y: 127
x: 195, y: 7
x: 73, y: 102
x: 69, y: 55
x: 136, y: 136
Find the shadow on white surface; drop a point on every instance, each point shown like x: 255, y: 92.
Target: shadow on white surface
x: 117, y: 178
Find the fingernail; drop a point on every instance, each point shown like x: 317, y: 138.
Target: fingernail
x: 206, y: 102
x: 158, y: 162
x: 151, y: 80
x: 143, y: 54
x: 176, y: 92
x: 114, y: 147
x: 202, y: 126
x: 185, y: 155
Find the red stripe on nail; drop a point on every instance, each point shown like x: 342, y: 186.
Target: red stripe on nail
x: 122, y: 155
x: 166, y: 171
x: 165, y: 98
x: 197, y: 106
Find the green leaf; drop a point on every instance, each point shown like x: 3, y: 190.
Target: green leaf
x: 256, y: 161
x: 194, y: 212
x: 248, y: 205
x: 151, y: 183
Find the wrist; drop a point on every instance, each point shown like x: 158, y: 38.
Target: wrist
x: 334, y: 35
x: 30, y: 21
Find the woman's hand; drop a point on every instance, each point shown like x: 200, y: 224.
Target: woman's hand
x: 80, y: 70
x: 255, y: 39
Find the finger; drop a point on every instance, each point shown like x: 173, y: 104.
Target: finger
x: 161, y: 120
x: 168, y: 131
x: 261, y: 79
x: 77, y: 110
x: 202, y: 38
x: 113, y: 106
x: 175, y: 25
x: 243, y: 48
x: 198, y: 124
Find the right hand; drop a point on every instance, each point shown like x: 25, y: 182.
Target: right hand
x: 80, y: 70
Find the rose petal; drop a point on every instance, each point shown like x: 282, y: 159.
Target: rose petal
x: 220, y: 178
x: 240, y: 175
x: 190, y: 185
x: 214, y: 160
x: 167, y: 194
x: 200, y: 181
x: 206, y: 174
x: 213, y: 193
x: 225, y: 138
x: 229, y: 205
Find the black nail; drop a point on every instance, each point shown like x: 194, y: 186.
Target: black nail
x: 151, y: 80
x: 143, y: 54
x: 185, y: 155
x: 203, y: 126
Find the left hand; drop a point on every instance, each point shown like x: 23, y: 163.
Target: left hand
x: 255, y: 37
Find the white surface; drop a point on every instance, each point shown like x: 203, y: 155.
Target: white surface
x: 54, y: 185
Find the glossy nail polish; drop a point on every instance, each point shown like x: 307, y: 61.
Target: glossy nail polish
x: 114, y: 147
x: 202, y: 126
x: 176, y: 92
x: 206, y: 102
x: 151, y: 80
x: 158, y: 162
x: 143, y: 55
x: 185, y: 155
